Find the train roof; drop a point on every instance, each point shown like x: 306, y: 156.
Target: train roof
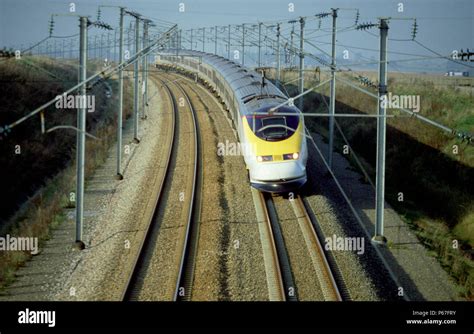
x: 245, y: 82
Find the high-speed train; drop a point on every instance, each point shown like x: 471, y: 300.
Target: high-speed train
x: 274, y: 145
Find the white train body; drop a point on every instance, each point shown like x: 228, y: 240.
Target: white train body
x: 275, y: 149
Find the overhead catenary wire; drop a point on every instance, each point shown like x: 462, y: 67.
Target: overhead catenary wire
x: 295, y: 50
x: 105, y: 73
x: 437, y: 53
x: 454, y: 132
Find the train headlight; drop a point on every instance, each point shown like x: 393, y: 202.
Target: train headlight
x: 264, y: 158
x: 291, y: 156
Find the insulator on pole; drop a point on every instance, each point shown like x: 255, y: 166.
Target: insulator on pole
x: 365, y: 26
x: 414, y: 30
x: 51, y: 26
x: 322, y: 15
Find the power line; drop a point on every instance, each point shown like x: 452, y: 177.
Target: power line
x: 372, y: 50
x: 436, y: 53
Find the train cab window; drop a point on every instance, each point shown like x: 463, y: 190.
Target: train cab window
x: 271, y: 128
x: 274, y: 127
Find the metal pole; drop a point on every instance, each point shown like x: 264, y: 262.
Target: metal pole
x: 381, y: 137
x: 81, y: 134
x: 115, y: 44
x: 136, y: 69
x: 291, y: 46
x: 108, y: 46
x: 301, y: 74
x: 176, y: 44
x: 95, y: 47
x: 243, y: 44
x: 144, y: 74
x: 203, y: 39
x: 118, y: 174
x: 332, y: 101
x: 278, y: 56
x: 215, y: 40
x: 260, y: 45
x: 129, y: 38
x: 191, y: 39
x: 101, y: 47
x: 228, y: 44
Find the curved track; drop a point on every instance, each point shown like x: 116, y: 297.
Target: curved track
x: 188, y: 258
x: 279, y: 272
x: 187, y: 242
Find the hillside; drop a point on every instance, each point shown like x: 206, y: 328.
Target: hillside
x: 41, y: 167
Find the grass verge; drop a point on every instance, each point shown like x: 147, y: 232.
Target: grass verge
x: 433, y: 171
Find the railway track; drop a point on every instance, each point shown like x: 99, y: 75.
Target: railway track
x: 323, y: 269
x: 280, y: 280
x: 188, y: 259
x: 187, y: 241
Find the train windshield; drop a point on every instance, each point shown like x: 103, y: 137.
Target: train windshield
x: 271, y: 127
x: 274, y: 127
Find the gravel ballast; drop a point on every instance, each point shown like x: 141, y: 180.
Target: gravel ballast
x: 402, y: 270
x: 229, y: 261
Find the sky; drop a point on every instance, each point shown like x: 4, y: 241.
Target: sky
x: 443, y: 25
